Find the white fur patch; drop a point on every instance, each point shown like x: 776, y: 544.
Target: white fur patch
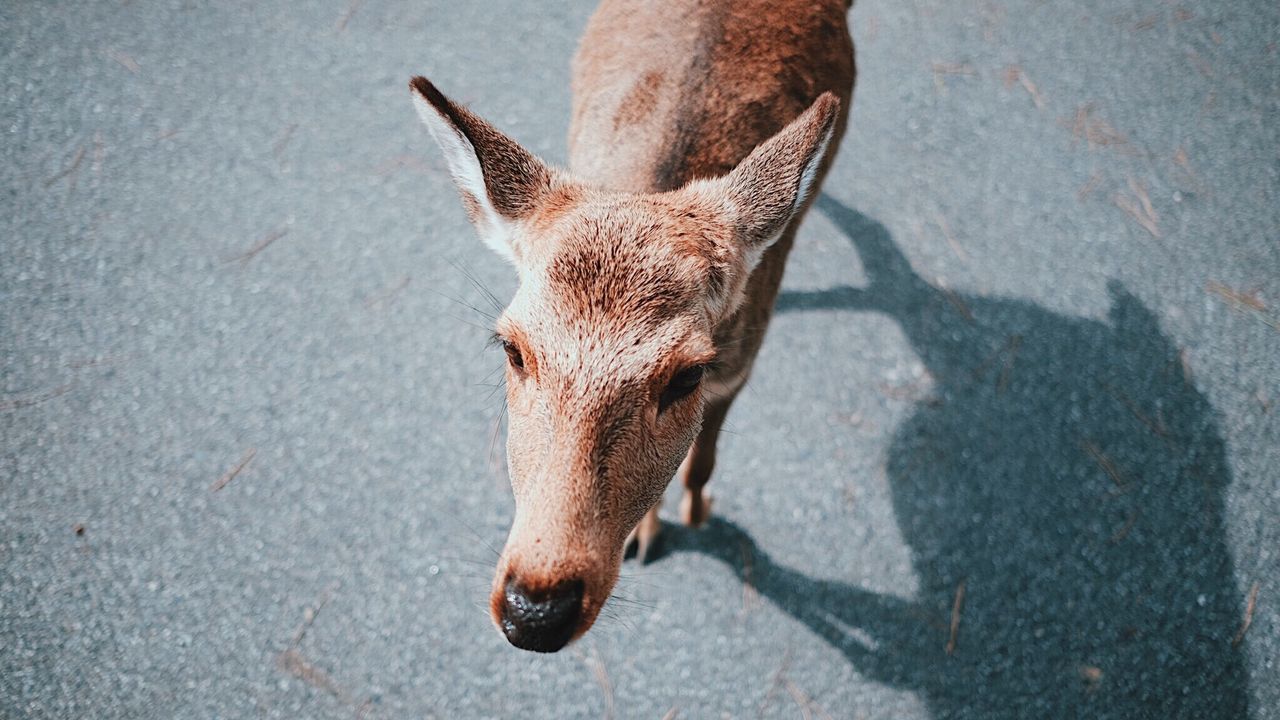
x: 810, y: 174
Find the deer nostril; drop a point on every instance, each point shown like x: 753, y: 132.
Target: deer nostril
x: 543, y: 620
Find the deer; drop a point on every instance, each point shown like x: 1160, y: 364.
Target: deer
x: 647, y: 271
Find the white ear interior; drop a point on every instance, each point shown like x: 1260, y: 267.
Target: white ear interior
x: 806, y: 186
x: 464, y: 166
x: 809, y: 177
x: 777, y: 179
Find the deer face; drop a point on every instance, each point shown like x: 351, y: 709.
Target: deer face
x: 608, y: 340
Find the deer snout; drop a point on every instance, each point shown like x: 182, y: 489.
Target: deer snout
x: 542, y: 620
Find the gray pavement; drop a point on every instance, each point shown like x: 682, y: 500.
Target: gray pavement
x: 1029, y: 345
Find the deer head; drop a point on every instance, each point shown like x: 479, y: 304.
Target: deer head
x: 608, y: 341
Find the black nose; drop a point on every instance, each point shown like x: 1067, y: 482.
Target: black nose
x: 544, y: 620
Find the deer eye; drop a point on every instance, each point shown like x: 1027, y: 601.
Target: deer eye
x: 513, y: 354
x: 681, y: 385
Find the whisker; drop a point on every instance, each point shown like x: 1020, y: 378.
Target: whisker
x: 463, y: 303
x: 492, y: 372
x: 629, y: 601
x: 496, y: 387
x: 612, y: 619
x: 469, y: 561
x: 493, y: 441
x: 468, y: 322
x: 488, y: 295
x: 476, y: 534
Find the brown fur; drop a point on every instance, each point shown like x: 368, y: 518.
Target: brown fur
x: 740, y: 69
x: 643, y: 261
x: 640, y: 101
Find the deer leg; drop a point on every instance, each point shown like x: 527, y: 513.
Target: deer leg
x: 695, y: 507
x: 645, y: 533
x: 695, y: 470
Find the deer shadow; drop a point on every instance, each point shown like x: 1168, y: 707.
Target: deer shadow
x: 1070, y: 475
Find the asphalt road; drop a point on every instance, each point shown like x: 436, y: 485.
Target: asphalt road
x: 1029, y: 346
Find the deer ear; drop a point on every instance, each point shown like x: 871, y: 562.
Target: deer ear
x: 774, y: 183
x: 501, y: 183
